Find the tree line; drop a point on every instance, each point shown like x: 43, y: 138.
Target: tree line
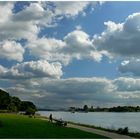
x: 111, y: 109
x: 14, y: 104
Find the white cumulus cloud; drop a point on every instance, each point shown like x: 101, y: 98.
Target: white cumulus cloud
x: 75, y: 45
x: 32, y: 69
x: 70, y: 8
x: 11, y: 50
x: 120, y: 39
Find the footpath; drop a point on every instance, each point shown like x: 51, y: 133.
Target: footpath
x: 100, y: 132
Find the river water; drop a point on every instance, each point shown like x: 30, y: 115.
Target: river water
x: 103, y: 119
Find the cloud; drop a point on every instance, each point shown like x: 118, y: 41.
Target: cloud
x: 127, y: 84
x: 130, y: 66
x: 24, y: 30
x: 48, y: 49
x: 42, y: 16
x: 79, y: 91
x: 78, y: 27
x: 32, y: 69
x: 77, y: 41
x: 11, y: 50
x: 27, y: 24
x: 2, y: 69
x: 5, y: 10
x: 11, y: 29
x: 80, y: 46
x: 65, y: 92
x: 75, y: 45
x: 73, y: 86
x: 120, y: 39
x: 40, y: 81
x: 14, y: 29
x: 70, y: 9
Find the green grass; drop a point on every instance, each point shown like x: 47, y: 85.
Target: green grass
x: 17, y: 126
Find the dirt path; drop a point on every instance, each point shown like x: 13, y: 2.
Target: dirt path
x: 100, y: 132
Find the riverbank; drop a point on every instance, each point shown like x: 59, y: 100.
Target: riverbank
x: 121, y: 131
x: 130, y: 134
x: 104, y: 120
x: 100, y: 132
x: 104, y: 131
x: 93, y: 129
x: 22, y: 127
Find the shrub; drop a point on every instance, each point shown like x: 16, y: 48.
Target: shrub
x: 30, y: 111
x: 124, y: 131
x: 5, y: 111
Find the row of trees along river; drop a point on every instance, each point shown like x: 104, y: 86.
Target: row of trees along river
x: 111, y: 109
x: 14, y: 104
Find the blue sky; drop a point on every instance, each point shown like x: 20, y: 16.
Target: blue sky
x: 71, y: 53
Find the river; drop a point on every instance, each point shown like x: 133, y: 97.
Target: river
x: 103, y: 119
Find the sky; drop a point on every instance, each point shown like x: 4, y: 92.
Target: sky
x: 63, y: 54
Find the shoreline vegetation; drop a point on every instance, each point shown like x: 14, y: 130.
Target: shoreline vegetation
x: 111, y: 109
x: 97, y: 109
x: 14, y: 104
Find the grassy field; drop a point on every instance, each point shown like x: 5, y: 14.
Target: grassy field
x: 17, y: 126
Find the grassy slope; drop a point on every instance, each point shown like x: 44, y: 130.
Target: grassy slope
x: 16, y: 126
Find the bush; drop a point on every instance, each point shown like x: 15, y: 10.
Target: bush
x: 30, y: 111
x: 124, y: 131
x: 5, y: 111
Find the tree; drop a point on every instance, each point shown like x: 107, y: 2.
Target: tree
x: 15, y: 104
x: 91, y: 109
x: 85, y: 108
x: 12, y: 107
x: 30, y: 111
x: 4, y: 99
x: 26, y: 104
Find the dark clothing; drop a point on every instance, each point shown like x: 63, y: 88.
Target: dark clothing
x: 50, y: 118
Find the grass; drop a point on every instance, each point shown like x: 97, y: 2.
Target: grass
x: 18, y: 126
